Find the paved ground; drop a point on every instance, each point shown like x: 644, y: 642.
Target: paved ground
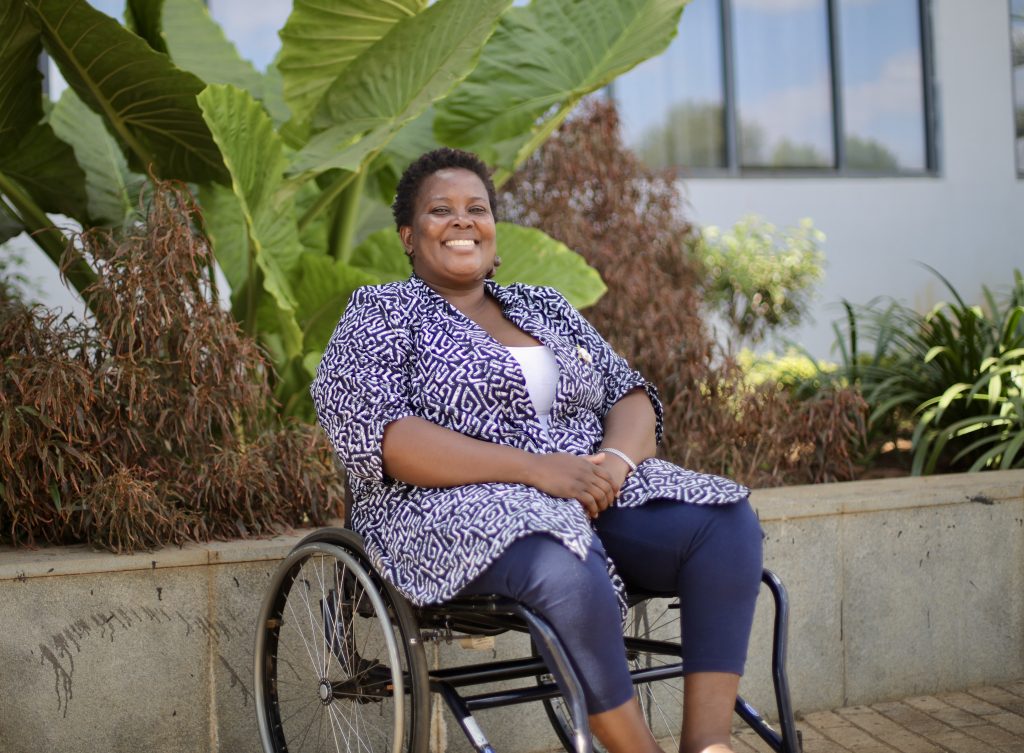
x: 981, y: 720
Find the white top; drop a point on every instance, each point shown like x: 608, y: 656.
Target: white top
x: 540, y: 369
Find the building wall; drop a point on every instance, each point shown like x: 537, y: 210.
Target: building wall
x: 967, y: 221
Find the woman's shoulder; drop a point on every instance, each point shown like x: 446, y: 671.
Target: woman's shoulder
x: 541, y: 296
x: 398, y: 302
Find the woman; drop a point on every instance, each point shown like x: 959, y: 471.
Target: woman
x: 489, y: 433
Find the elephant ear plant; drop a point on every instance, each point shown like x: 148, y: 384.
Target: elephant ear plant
x: 294, y: 166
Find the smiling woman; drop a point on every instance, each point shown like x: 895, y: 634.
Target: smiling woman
x: 495, y: 443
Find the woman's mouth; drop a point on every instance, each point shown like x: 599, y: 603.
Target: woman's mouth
x: 460, y: 243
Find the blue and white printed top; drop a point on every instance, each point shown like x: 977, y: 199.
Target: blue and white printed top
x: 402, y: 350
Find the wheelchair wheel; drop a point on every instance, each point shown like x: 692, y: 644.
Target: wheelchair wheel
x: 661, y: 701
x: 339, y: 665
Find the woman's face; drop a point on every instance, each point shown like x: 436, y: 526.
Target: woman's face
x: 452, y: 236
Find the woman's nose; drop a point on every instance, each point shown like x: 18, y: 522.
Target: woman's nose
x: 462, y: 218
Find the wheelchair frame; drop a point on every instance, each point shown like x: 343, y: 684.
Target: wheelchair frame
x: 354, y: 599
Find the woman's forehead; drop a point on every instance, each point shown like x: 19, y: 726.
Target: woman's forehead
x: 449, y: 180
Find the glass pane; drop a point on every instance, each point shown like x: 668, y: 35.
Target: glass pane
x: 252, y: 26
x: 671, y: 106
x: 1017, y: 30
x: 783, y: 83
x: 883, y: 95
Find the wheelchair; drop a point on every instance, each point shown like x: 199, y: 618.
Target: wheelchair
x: 340, y: 661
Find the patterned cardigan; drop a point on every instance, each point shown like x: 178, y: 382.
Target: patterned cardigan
x: 402, y: 350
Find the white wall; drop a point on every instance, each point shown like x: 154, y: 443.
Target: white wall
x: 967, y: 221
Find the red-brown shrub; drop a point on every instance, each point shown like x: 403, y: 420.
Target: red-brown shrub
x: 586, y: 189
x: 153, y: 424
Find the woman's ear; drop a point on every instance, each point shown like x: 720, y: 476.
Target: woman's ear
x: 405, y: 234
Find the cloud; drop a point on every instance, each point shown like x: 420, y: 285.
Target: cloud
x: 896, y: 91
x: 801, y: 114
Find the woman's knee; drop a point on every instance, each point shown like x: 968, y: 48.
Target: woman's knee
x: 542, y: 573
x: 736, y: 536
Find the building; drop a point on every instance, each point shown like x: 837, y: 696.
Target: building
x: 896, y: 125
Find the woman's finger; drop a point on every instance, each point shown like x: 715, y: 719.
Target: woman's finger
x: 589, y: 504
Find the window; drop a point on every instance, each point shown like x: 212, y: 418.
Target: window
x: 672, y: 105
x: 813, y: 85
x: 1017, y: 46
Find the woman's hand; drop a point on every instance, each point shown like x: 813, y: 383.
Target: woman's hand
x: 575, y: 477
x: 614, y: 466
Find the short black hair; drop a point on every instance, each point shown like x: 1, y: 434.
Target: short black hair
x: 426, y: 165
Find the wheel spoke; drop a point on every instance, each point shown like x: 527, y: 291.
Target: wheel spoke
x: 340, y: 627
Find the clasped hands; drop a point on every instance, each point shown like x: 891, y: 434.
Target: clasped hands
x: 592, y: 480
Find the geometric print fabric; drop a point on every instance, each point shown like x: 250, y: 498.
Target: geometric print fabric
x: 402, y: 350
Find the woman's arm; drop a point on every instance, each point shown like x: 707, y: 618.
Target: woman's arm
x: 420, y: 452
x: 630, y: 428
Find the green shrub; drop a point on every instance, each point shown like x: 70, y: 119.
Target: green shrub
x: 955, y: 376
x: 794, y: 370
x: 759, y: 278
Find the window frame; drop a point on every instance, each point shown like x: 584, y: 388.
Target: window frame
x: 1011, y: 17
x: 838, y: 169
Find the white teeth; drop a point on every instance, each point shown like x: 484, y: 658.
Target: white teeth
x: 461, y: 243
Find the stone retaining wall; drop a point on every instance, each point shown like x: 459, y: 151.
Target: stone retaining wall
x: 898, y: 587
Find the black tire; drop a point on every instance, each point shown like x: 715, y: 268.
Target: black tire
x: 338, y: 662
x: 662, y: 700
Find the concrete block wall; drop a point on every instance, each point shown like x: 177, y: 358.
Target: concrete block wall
x: 897, y: 587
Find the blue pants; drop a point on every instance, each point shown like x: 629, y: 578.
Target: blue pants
x: 707, y: 555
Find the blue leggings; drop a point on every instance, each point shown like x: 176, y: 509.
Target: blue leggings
x: 707, y: 555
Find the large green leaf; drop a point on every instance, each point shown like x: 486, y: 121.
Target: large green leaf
x: 254, y: 156
x: 148, y: 103
x: 112, y: 189
x: 273, y: 100
x: 415, y: 138
x: 416, y: 63
x: 30, y: 152
x: 45, y: 167
x: 229, y: 234
x: 21, y: 83
x: 532, y: 256
x: 382, y: 255
x: 528, y: 255
x: 196, y: 43
x: 9, y: 225
x: 145, y: 18
x: 278, y: 332
x: 540, y: 62
x: 323, y: 289
x: 321, y: 38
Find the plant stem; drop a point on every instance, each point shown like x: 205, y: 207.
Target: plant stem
x: 327, y: 197
x: 344, y: 224
x: 48, y: 237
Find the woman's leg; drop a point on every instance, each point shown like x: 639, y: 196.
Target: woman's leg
x: 711, y: 557
x: 577, y: 599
